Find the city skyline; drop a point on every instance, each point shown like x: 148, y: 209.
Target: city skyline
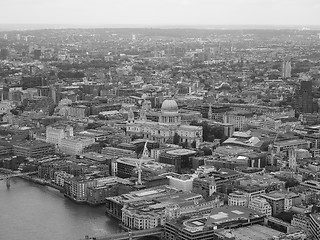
x: 144, y: 13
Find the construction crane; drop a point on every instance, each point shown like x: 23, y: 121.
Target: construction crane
x: 271, y: 148
x: 145, y: 155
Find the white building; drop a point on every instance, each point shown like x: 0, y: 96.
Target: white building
x: 67, y: 143
x: 6, y: 106
x: 55, y: 135
x: 237, y: 118
x: 182, y: 182
x: 261, y: 205
x: 75, y: 145
x: 237, y: 198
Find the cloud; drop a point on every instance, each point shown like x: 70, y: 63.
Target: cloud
x: 149, y: 12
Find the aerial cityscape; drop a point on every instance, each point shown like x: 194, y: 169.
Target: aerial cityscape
x: 144, y: 129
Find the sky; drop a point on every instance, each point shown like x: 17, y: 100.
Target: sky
x: 161, y: 12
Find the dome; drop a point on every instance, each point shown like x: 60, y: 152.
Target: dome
x: 169, y: 106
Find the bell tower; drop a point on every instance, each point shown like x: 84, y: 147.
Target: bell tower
x: 130, y: 116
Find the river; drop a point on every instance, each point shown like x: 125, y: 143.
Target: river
x: 32, y: 212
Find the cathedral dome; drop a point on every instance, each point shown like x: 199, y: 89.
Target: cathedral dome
x: 169, y: 106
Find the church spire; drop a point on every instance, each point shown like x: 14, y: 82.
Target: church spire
x: 143, y: 116
x: 130, y: 116
x: 145, y: 153
x: 210, y: 112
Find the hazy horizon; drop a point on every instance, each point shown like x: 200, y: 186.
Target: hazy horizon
x: 149, y: 13
x: 25, y: 27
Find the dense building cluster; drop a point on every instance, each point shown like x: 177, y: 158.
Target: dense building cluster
x: 206, y: 134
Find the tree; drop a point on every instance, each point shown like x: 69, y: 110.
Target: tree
x: 207, y: 151
x: 194, y: 144
x: 176, y: 139
x: 134, y: 137
x: 183, y: 144
x: 209, y: 132
x: 291, y: 182
x: 285, y: 216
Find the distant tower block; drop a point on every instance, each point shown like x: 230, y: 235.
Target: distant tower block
x: 143, y: 115
x: 286, y: 69
x: 130, y: 116
x: 292, y: 159
x: 210, y: 112
x: 134, y: 37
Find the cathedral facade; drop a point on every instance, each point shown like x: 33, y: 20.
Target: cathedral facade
x: 165, y: 129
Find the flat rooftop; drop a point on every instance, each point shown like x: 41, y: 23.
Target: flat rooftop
x: 274, y: 195
x: 256, y: 232
x: 290, y: 142
x: 163, y: 195
x: 95, y: 156
x: 226, y: 214
x: 316, y: 217
x: 181, y: 152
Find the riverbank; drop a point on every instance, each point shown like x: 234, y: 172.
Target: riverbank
x: 31, y: 178
x: 35, y: 211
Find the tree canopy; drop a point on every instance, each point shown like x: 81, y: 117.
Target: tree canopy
x: 209, y: 132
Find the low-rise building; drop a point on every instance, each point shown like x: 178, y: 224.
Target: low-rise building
x: 118, y: 152
x: 206, y: 186
x: 261, y: 205
x: 106, y: 187
x: 60, y: 177
x: 209, y: 226
x: 237, y: 198
x: 281, y: 201
x: 181, y: 181
x: 33, y: 149
x: 157, y: 196
x: 285, y: 145
x: 300, y: 221
x: 75, y: 145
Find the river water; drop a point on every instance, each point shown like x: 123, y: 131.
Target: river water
x: 32, y: 212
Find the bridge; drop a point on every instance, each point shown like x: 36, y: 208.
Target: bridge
x: 12, y: 174
x: 131, y: 235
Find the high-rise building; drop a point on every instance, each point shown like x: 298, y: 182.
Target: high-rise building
x: 286, y: 69
x: 4, y: 53
x: 37, y: 54
x: 314, y: 226
x: 33, y: 81
x: 303, y: 97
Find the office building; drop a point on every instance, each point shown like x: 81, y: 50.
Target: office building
x: 210, y: 226
x: 304, y: 98
x: 237, y: 198
x: 260, y: 205
x: 314, y: 226
x: 286, y: 69
x: 206, y: 186
x: 56, y: 134
x: 182, y: 159
x: 33, y: 149
x: 75, y: 145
